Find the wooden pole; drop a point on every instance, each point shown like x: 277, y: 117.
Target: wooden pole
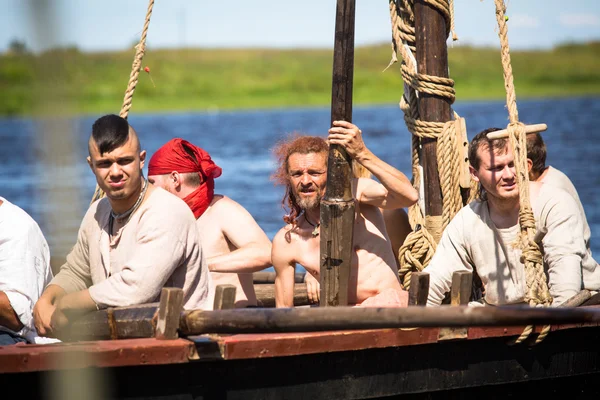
x: 351, y: 318
x: 337, y: 206
x: 432, y: 59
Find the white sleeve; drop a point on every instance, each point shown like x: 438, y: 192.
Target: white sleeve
x: 564, y: 247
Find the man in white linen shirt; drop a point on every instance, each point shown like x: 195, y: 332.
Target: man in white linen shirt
x: 539, y: 172
x: 135, y: 241
x: 481, y: 236
x: 24, y: 273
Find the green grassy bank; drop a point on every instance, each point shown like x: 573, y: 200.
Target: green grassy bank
x: 69, y: 81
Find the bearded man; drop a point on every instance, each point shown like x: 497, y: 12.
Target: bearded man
x: 482, y: 235
x: 303, y: 170
x: 234, y: 245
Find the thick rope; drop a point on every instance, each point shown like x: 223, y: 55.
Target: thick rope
x: 133, y: 80
x: 537, y: 287
x: 419, y: 246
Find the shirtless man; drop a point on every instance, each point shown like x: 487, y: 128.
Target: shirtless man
x: 131, y: 243
x: 303, y: 169
x: 234, y: 245
x: 481, y: 236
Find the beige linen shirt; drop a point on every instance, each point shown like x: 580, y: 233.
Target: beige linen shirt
x: 158, y: 247
x: 471, y: 240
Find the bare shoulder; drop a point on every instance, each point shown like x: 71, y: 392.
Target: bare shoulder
x: 283, y: 247
x: 222, y: 203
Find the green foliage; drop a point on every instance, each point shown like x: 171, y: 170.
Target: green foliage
x: 67, y: 81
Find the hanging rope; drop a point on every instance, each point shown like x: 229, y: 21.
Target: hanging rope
x: 537, y: 288
x: 419, y: 246
x: 133, y: 80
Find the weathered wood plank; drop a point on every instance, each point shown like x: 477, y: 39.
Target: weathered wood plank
x: 169, y: 313
x: 460, y: 293
x: 265, y: 295
x: 224, y: 297
x: 419, y: 289
x: 94, y: 354
x: 269, y: 277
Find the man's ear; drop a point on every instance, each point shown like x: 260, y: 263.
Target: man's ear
x: 89, y: 161
x: 529, y: 165
x: 142, y: 158
x: 176, y: 178
x: 474, y: 174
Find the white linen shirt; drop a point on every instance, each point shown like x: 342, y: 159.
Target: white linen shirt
x: 24, y: 266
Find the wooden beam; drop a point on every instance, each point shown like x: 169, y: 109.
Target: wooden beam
x: 419, y: 289
x: 432, y: 59
x: 224, y: 297
x: 337, y: 207
x: 113, y: 323
x: 314, y: 319
x: 169, y: 313
x: 265, y: 295
x: 460, y: 294
x: 503, y: 133
x: 262, y: 277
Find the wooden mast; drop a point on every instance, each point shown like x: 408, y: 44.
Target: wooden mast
x: 432, y: 59
x: 337, y: 206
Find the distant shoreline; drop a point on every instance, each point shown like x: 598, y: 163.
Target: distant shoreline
x: 67, y: 82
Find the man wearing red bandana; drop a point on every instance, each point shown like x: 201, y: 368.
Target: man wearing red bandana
x: 234, y: 244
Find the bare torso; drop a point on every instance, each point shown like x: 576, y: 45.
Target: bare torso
x: 215, y: 243
x: 372, y: 251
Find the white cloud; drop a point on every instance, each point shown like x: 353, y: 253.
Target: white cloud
x: 575, y: 20
x: 523, y: 21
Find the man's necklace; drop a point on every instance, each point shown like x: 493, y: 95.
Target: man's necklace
x: 127, y: 214
x: 315, y: 231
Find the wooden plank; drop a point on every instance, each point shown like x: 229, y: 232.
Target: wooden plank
x: 419, y: 289
x: 265, y: 295
x: 460, y: 293
x: 289, y: 344
x: 113, y: 323
x: 110, y: 353
x: 337, y: 206
x: 263, y: 277
x: 224, y: 297
x: 169, y: 313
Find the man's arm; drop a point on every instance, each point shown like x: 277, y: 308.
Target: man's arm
x: 253, y: 247
x: 8, y: 317
x: 564, y: 246
x: 74, y: 276
x: 44, y: 309
x: 285, y: 270
x: 395, y: 189
x: 450, y: 256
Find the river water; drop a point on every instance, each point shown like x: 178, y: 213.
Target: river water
x: 44, y: 171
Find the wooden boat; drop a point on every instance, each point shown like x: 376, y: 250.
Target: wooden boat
x: 157, y: 351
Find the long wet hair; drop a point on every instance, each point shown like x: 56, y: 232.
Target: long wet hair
x: 294, y: 143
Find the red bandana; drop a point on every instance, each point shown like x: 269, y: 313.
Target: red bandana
x: 173, y: 157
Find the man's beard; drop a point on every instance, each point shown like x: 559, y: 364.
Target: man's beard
x: 309, y: 204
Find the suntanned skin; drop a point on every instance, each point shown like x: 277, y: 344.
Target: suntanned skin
x: 234, y: 245
x: 373, y: 266
x: 119, y: 174
x: 497, y: 175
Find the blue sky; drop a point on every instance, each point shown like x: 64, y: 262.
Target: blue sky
x: 97, y: 25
